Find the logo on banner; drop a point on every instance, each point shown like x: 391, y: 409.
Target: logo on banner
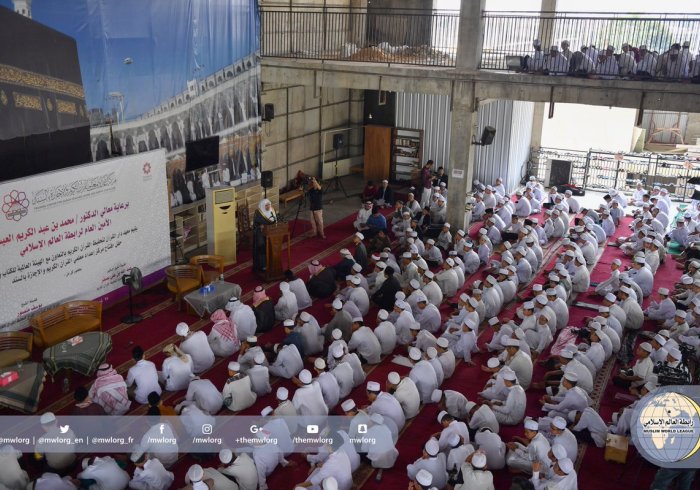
x: 15, y: 205
x: 147, y: 171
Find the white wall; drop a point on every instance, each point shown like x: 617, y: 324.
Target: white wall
x: 581, y: 127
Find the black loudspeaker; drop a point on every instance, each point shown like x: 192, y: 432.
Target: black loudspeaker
x: 268, y: 112
x: 338, y: 141
x: 266, y: 179
x: 488, y: 135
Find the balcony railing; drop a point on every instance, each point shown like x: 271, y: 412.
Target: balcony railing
x: 508, y: 39
x: 402, y: 36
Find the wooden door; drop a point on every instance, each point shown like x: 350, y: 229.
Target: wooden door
x: 377, y: 152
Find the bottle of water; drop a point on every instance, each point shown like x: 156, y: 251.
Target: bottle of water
x: 66, y: 385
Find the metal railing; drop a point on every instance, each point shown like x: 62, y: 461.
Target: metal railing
x: 405, y: 36
x: 603, y: 170
x: 511, y: 34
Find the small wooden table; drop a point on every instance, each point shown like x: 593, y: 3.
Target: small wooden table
x: 291, y: 196
x: 83, y: 358
x: 202, y: 302
x: 23, y: 395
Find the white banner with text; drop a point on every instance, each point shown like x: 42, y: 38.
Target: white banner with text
x: 73, y: 234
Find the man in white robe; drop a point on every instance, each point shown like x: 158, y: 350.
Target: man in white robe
x: 288, y: 362
x: 242, y: 317
x: 533, y: 448
x: 512, y: 410
x: 406, y: 392
x: 298, y: 289
x: 310, y: 332
x: 308, y: 399
x: 384, y: 404
x: 433, y: 462
x: 238, y: 393
x: 385, y: 333
x: 366, y: 343
x: 197, y: 346
x: 259, y: 376
x: 286, y: 307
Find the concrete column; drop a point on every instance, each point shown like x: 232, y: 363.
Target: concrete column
x: 471, y: 28
x: 464, y: 126
x: 545, y: 32
x: 537, y: 122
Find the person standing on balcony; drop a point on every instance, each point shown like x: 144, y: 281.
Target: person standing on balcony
x: 426, y: 177
x: 580, y: 63
x: 556, y: 64
x: 607, y: 64
x: 535, y: 63
x: 647, y: 66
x: 565, y: 51
x: 593, y: 53
x: 674, y: 64
x: 626, y: 62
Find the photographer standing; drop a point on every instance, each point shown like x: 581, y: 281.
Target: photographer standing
x: 316, y: 208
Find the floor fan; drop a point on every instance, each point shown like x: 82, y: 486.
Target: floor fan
x: 134, y: 280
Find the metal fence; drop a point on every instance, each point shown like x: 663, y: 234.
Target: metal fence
x: 602, y: 170
x: 511, y: 34
x: 405, y: 36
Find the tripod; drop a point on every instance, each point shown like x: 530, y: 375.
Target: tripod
x: 338, y: 184
x: 296, y: 218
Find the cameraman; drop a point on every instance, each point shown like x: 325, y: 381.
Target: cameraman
x: 316, y: 208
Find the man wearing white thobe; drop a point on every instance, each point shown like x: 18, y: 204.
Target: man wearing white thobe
x: 423, y: 375
x: 308, y: 399
x: 520, y: 457
x: 286, y: 307
x: 242, y: 317
x: 107, y: 474
x: 298, y: 289
x: 203, y: 393
x: 589, y: 420
x: 512, y: 410
x: 358, y: 295
x: 433, y: 461
x: 288, y: 362
x: 151, y: 476
x: 406, y: 392
x: 197, y: 346
x: 366, y: 343
x: 242, y: 469
x: 384, y: 404
x: 260, y: 376
x: 144, y: 375
x: 385, y: 333
x: 238, y: 392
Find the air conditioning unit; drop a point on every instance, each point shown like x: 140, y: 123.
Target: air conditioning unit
x: 558, y: 172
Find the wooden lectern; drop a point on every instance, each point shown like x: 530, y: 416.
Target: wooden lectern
x: 274, y: 238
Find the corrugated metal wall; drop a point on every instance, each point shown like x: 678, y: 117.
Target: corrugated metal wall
x: 509, y: 152
x: 431, y: 113
x: 507, y: 155
x: 654, y: 120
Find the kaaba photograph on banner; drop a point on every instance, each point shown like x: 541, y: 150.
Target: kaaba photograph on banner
x: 86, y: 80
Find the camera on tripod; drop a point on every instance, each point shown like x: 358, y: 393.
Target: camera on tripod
x: 668, y: 375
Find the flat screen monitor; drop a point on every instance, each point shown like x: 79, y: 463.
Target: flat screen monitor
x: 201, y: 153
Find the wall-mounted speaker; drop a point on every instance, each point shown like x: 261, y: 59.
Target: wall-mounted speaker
x: 338, y: 141
x: 268, y: 112
x: 487, y: 136
x: 266, y: 179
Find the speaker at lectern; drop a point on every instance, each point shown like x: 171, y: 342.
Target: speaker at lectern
x: 221, y: 222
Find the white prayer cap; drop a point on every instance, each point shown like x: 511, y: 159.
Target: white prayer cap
x: 468, y: 244
x: 559, y: 451
x: 446, y: 225
x: 595, y: 325
x: 464, y: 297
x: 305, y: 316
x: 338, y: 351
x: 429, y: 275
x: 381, y: 265
x: 491, y: 280
x: 413, y: 249
x: 441, y: 415
x: 234, y: 366
x: 414, y: 284
x: 355, y: 280
x: 665, y: 333
x: 432, y: 447
x: 320, y: 364
x: 551, y: 292
x: 553, y: 277
x: 432, y: 352
x: 360, y: 235
x: 695, y: 264
x: 565, y: 465
x: 450, y: 262
x: 330, y: 483
x: 266, y: 411
x: 383, y: 315
x: 681, y: 314
x: 493, y: 362
x: 356, y: 267
x: 509, y: 376
x: 518, y: 192
x: 512, y: 342
x: 337, y: 334
x: 675, y: 353
x: 259, y: 358
x: 282, y: 393
x: 559, y: 266
x: 507, y: 245
x: 182, y: 329
x: 376, y: 257
x: 399, y: 296
x: 424, y: 478
x: 348, y: 405
x: 625, y: 290
x: 484, y: 231
x: 478, y: 460
x: 337, y: 304
x: 473, y: 302
x: 541, y: 299
x: 47, y: 418
x: 617, y: 262
x: 646, y: 346
x: 443, y: 342
x: 345, y: 251
x: 610, y: 297
x: 406, y: 255
x: 400, y: 304
x: 571, y: 376
x: 430, y: 241
x: 566, y: 354
x: 414, y: 354
x: 394, y: 378
x: 461, y: 233
x: 195, y: 473
x: 559, y: 423
x: 288, y: 323
x: 640, y: 260
x: 305, y: 376
x: 494, y: 320
x: 570, y: 253
x: 537, y: 287
x: 687, y: 280
x: 529, y: 305
x: 226, y: 456
x: 373, y: 386
x: 531, y: 424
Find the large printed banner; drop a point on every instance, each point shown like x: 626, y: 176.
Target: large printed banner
x: 73, y: 234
